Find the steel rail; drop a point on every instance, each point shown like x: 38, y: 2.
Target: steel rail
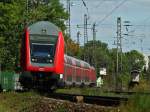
x: 98, y: 100
x: 129, y: 92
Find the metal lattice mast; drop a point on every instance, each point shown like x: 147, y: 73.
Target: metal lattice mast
x: 78, y: 37
x: 119, y: 54
x: 68, y: 21
x: 119, y: 36
x: 94, y: 34
x: 85, y: 29
x: 94, y: 39
x: 85, y: 35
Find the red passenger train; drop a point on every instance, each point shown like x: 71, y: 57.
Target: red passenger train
x: 44, y: 64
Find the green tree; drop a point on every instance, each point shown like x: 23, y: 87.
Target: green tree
x: 13, y: 20
x: 97, y: 54
x: 135, y: 59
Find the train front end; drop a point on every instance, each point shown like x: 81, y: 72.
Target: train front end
x: 42, y: 55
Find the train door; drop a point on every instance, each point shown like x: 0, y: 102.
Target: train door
x: 69, y: 75
x: 88, y: 76
x: 65, y: 73
x: 82, y: 75
x: 78, y: 76
x: 73, y: 76
x: 85, y: 76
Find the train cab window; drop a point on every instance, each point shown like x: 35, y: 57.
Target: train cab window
x: 42, y: 48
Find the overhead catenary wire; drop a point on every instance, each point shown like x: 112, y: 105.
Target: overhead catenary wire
x: 97, y: 6
x: 100, y: 3
x: 113, y: 10
x: 86, y: 8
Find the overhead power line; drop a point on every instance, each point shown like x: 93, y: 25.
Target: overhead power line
x: 114, y: 9
x: 86, y: 8
x: 100, y: 3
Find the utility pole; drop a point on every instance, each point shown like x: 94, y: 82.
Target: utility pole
x: 68, y: 21
x: 85, y: 29
x: 85, y: 37
x: 119, y: 55
x: 94, y: 34
x: 84, y: 26
x: 78, y: 37
x: 94, y: 39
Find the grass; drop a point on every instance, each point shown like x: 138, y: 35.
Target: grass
x: 27, y: 101
x: 137, y: 103
x: 16, y: 102
x: 86, y: 91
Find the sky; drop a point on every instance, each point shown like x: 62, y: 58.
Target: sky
x: 105, y: 13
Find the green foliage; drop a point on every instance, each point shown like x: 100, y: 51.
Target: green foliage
x: 86, y: 91
x: 13, y: 19
x: 17, y: 102
x: 97, y: 54
x: 72, y: 49
x: 138, y: 103
x: 135, y: 59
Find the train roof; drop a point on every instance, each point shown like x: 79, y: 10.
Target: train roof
x: 45, y: 27
x: 76, y: 62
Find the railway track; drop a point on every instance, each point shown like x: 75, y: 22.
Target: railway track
x: 128, y: 92
x: 99, y: 100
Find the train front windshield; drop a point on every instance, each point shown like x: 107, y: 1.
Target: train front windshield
x: 42, y: 49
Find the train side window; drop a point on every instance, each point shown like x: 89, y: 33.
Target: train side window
x: 69, y: 61
x: 79, y: 72
x: 86, y: 65
x: 74, y: 73
x: 69, y: 78
x: 78, y: 63
x: 65, y: 70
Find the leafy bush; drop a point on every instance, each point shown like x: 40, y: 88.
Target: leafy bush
x: 137, y: 103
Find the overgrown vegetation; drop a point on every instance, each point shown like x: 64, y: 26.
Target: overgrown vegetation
x: 15, y: 102
x: 32, y: 102
x: 86, y: 91
x: 137, y: 103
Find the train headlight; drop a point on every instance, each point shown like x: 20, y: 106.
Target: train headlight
x: 61, y: 76
x: 33, y: 59
x: 50, y: 61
